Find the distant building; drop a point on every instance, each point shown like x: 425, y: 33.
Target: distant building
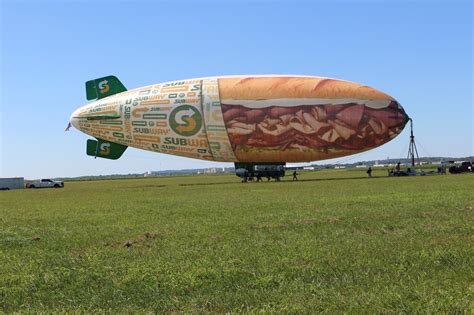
x: 214, y: 170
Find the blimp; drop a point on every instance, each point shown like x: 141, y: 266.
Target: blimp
x: 258, y: 122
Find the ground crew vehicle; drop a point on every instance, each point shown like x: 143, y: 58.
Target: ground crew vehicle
x: 45, y: 183
x: 12, y: 183
x: 465, y: 167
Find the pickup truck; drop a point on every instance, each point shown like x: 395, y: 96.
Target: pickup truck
x: 45, y: 183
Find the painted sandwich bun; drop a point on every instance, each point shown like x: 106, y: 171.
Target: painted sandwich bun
x: 299, y: 119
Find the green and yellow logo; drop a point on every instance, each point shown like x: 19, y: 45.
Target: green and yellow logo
x: 103, y: 86
x: 104, y: 148
x: 185, y: 120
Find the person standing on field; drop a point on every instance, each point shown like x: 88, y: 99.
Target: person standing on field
x: 294, y: 176
x: 369, y: 172
x: 397, y: 168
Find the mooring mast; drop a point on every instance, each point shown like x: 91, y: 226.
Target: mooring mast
x: 412, y: 150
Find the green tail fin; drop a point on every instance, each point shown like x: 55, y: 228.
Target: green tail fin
x: 105, y: 149
x: 103, y: 87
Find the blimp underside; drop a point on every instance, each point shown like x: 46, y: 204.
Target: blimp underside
x: 246, y: 119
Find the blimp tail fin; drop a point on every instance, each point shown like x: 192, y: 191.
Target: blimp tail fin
x: 105, y: 149
x: 103, y: 87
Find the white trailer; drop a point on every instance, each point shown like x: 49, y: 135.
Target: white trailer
x: 12, y: 183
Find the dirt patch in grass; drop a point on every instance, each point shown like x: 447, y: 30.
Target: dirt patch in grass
x: 144, y: 240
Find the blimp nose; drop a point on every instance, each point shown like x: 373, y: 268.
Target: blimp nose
x: 406, y: 118
x: 403, y: 115
x: 395, y: 118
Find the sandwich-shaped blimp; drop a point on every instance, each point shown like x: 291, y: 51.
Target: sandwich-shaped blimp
x: 255, y: 119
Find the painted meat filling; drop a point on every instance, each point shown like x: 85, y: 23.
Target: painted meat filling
x: 348, y: 126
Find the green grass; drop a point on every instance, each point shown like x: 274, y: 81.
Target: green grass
x: 333, y: 242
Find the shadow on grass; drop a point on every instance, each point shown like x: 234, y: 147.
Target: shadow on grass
x: 144, y: 186
x: 338, y: 178
x: 288, y: 181
x: 208, y: 184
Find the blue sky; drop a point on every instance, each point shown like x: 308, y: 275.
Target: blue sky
x: 418, y: 52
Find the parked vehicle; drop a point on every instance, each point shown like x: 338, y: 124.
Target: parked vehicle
x: 45, y: 183
x: 12, y: 183
x: 465, y: 167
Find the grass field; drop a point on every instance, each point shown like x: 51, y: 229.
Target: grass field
x: 333, y: 242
